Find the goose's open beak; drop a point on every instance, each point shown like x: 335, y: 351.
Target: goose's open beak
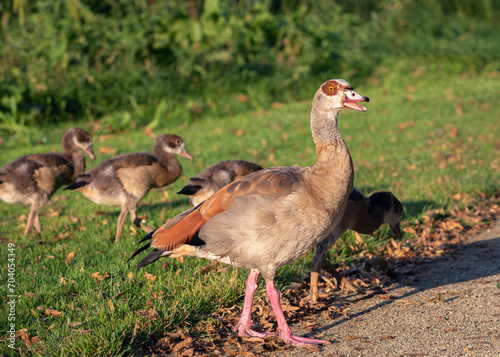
x: 90, y: 152
x: 186, y: 153
x: 352, y: 98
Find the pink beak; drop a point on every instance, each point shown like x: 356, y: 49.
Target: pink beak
x: 90, y: 152
x: 352, y: 98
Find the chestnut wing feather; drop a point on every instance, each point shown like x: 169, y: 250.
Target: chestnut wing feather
x: 180, y: 230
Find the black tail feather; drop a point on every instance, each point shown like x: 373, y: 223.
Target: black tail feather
x: 189, y: 190
x: 150, y: 258
x: 141, y: 249
x: 82, y: 180
x: 148, y: 236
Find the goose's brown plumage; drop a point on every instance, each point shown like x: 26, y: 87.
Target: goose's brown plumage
x: 362, y: 215
x: 125, y: 179
x: 273, y: 216
x: 33, y: 179
x: 215, y: 177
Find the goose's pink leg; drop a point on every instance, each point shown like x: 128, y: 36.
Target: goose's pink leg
x: 243, y: 326
x: 284, y: 331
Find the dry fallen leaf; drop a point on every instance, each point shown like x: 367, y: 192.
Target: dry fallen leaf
x: 107, y: 150
x: 49, y: 311
x: 30, y: 294
x: 149, y: 277
x: 387, y: 337
x: 99, y: 277
x: 70, y: 256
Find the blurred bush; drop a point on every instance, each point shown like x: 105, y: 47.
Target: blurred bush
x: 137, y: 62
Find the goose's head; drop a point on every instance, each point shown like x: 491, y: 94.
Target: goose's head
x: 338, y: 94
x: 385, y: 205
x: 77, y: 137
x: 172, y: 144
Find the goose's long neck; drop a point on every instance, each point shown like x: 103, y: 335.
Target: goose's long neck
x: 366, y: 219
x: 324, y: 127
x: 77, y: 158
x: 332, y: 175
x: 170, y: 162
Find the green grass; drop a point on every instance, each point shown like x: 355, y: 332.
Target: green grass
x: 430, y: 132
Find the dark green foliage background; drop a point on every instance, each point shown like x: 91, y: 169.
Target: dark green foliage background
x: 143, y: 61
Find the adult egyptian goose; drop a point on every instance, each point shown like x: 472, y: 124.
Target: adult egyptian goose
x: 33, y: 179
x: 362, y: 215
x: 125, y: 179
x: 215, y: 177
x: 273, y: 216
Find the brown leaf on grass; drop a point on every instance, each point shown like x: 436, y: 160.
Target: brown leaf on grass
x: 49, y: 311
x: 105, y: 150
x: 359, y: 239
x: 243, y: 98
x: 130, y: 276
x: 111, y: 306
x: 70, y: 256
x: 149, y: 132
x: 31, y: 295
x: 149, y: 277
x: 207, y: 268
x: 64, y: 281
x: 22, y: 334
x: 99, y: 277
x: 136, y: 329
x: 239, y: 132
x: 406, y: 125
x: 148, y: 314
x: 30, y: 342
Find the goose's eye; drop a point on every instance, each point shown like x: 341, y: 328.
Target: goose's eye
x: 331, y: 88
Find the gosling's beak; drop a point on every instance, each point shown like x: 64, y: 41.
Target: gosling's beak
x: 352, y: 98
x: 397, y: 230
x: 186, y: 153
x: 90, y: 152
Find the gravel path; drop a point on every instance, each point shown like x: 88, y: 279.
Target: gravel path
x: 448, y: 306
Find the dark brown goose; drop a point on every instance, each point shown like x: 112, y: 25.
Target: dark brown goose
x: 271, y: 217
x: 362, y: 215
x: 215, y: 177
x: 33, y: 179
x: 125, y: 179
